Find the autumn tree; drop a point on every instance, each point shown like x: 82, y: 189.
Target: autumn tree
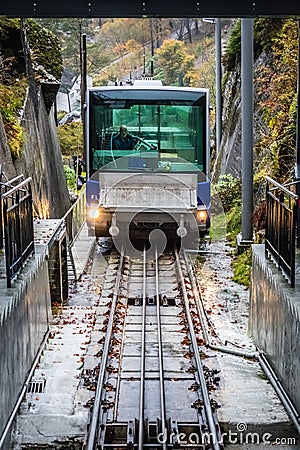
x: 174, y: 65
x: 276, y: 86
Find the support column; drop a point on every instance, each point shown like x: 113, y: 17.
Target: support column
x: 246, y: 237
x: 83, y: 88
x: 218, y: 84
x: 297, y: 168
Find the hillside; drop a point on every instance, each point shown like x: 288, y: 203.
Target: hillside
x: 275, y: 87
x: 29, y: 80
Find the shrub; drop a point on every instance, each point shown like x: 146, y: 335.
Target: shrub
x: 228, y: 189
x: 70, y: 177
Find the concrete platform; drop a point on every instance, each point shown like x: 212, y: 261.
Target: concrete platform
x: 25, y: 314
x: 60, y: 412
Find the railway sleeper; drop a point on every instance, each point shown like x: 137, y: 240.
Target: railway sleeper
x: 178, y: 435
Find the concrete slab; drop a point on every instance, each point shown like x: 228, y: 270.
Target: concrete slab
x: 179, y: 408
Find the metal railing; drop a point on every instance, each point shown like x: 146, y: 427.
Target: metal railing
x: 18, y: 225
x: 280, y: 242
x: 75, y: 217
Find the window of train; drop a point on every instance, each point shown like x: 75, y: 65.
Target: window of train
x: 175, y: 130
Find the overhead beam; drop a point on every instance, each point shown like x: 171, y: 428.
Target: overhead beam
x: 150, y: 8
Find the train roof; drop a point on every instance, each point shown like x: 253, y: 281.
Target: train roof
x: 155, y: 92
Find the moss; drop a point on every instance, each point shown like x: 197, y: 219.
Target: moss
x: 11, y: 103
x: 241, y: 266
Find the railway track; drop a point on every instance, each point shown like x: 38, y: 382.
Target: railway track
x: 152, y: 385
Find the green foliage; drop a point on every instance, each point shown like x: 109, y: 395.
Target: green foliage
x: 45, y: 56
x: 71, y: 140
x: 241, y: 266
x: 11, y: 103
x: 233, y: 49
x: 276, y: 86
x: 228, y: 189
x: 70, y: 177
x: 68, y: 31
x: 45, y: 52
x: 264, y: 31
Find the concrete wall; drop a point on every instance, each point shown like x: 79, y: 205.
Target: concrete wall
x: 25, y: 310
x: 275, y: 321
x: 41, y: 160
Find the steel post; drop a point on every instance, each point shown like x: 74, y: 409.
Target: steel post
x: 1, y: 221
x: 297, y: 169
x: 247, y: 131
x: 218, y: 84
x: 83, y: 87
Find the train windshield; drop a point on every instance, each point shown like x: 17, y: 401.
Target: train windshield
x: 147, y: 129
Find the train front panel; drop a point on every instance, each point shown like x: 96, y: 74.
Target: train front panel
x: 156, y: 175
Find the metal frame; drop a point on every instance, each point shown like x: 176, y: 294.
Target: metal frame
x: 18, y: 227
x: 151, y: 8
x: 281, y: 221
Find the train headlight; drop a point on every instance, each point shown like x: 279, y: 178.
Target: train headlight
x: 201, y: 215
x: 94, y: 213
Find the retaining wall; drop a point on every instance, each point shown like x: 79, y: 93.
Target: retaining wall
x: 25, y: 311
x: 275, y: 321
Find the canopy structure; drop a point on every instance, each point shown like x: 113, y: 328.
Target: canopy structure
x: 150, y: 8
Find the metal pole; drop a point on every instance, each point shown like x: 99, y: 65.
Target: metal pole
x: 218, y: 84
x: 144, y: 60
x: 1, y: 221
x: 152, y: 49
x: 247, y: 131
x: 297, y: 169
x: 83, y: 99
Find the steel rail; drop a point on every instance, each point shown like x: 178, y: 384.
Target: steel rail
x: 160, y: 356
x: 143, y: 344
x: 115, y: 413
x: 92, y: 430
x: 280, y: 390
x: 207, y: 404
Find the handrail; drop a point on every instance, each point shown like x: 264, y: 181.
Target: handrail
x: 281, y: 222
x: 9, y: 183
x: 282, y: 187
x: 75, y: 216
x: 14, y: 189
